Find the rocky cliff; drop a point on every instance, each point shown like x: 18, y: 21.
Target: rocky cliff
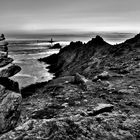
x: 93, y: 57
x: 96, y: 95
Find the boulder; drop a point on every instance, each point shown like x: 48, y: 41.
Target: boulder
x: 103, y: 76
x: 62, y: 80
x: 49, y: 111
x: 2, y: 92
x: 101, y: 108
x: 9, y: 109
x: 50, y: 60
x: 9, y: 84
x: 56, y: 46
x: 3, y: 43
x: 128, y: 91
x: 86, y: 84
x: 10, y: 71
x: 5, y: 61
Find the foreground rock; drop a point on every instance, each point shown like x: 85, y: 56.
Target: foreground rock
x: 10, y: 71
x: 9, y: 109
x: 86, y: 84
x: 9, y: 84
x: 10, y: 97
x: 5, y: 61
x: 101, y: 108
x: 74, y: 128
x: 96, y: 95
x: 56, y: 46
x: 10, y: 104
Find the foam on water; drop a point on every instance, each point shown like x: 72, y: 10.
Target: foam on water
x: 32, y: 70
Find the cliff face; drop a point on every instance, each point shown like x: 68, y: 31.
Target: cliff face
x: 75, y: 57
x: 93, y: 57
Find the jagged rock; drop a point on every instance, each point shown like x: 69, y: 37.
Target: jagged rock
x: 3, y: 43
x: 56, y: 46
x: 62, y: 80
x: 84, y: 109
x: 49, y: 111
x: 86, y: 84
x: 55, y: 84
x: 98, y: 40
x: 51, y: 59
x: 10, y: 71
x: 132, y: 122
x: 9, y: 84
x: 101, y: 108
x: 9, y: 109
x: 128, y: 91
x: 135, y: 39
x: 3, y: 49
x: 103, y: 76
x: 105, y: 127
x: 26, y: 126
x: 5, y: 61
x: 2, y: 92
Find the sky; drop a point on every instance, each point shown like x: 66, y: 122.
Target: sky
x: 69, y: 16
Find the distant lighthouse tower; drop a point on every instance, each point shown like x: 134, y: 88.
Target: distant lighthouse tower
x: 51, y: 41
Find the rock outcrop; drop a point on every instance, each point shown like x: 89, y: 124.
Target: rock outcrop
x: 74, y: 57
x: 96, y: 95
x: 9, y: 84
x: 9, y: 109
x: 10, y: 97
x: 56, y: 46
x: 85, y: 84
x: 94, y: 57
x: 5, y: 61
x: 10, y: 71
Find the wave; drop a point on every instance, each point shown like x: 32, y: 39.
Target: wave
x: 22, y: 75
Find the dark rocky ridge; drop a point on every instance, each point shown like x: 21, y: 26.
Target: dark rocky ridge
x: 10, y: 71
x: 56, y: 46
x: 5, y: 61
x: 96, y: 95
x: 75, y: 56
x: 78, y: 57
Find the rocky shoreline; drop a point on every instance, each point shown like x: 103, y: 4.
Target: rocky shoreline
x: 95, y: 95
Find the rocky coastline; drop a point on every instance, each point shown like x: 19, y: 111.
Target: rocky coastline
x: 95, y: 95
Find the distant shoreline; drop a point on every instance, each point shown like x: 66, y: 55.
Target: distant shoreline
x: 111, y: 37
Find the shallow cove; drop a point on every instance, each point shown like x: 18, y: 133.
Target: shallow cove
x: 26, y: 55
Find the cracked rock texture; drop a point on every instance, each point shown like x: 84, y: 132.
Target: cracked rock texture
x: 95, y: 95
x: 10, y: 97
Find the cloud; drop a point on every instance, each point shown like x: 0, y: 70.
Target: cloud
x: 90, y: 15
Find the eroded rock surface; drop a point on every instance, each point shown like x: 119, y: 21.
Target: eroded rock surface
x: 9, y: 110
x: 10, y: 71
x: 10, y: 97
x: 96, y: 95
x: 5, y: 61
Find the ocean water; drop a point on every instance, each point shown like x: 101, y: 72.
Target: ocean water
x: 25, y: 55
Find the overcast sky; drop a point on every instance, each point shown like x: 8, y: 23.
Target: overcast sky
x: 35, y: 16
